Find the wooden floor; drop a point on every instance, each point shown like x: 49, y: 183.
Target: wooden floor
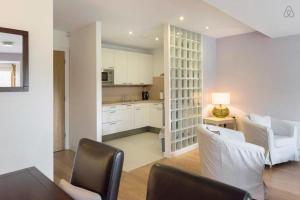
x: 283, y: 181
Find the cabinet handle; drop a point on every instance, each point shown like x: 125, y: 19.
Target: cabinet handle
x: 113, y: 123
x: 137, y: 109
x: 112, y: 111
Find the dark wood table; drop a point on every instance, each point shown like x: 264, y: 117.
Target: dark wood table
x: 29, y: 184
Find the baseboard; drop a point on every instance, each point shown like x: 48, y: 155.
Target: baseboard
x: 130, y: 133
x: 181, y: 151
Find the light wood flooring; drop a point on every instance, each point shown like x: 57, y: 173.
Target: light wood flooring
x: 283, y: 181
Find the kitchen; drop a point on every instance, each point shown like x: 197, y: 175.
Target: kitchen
x: 132, y: 101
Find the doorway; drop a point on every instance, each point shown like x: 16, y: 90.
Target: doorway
x: 59, y: 100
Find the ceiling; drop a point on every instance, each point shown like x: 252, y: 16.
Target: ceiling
x: 267, y: 16
x: 145, y: 18
x: 16, y: 43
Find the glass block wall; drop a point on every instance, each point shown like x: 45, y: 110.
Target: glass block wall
x: 185, y: 86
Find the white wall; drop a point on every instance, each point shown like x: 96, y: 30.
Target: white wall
x: 26, y: 124
x: 85, y: 84
x: 262, y: 74
x: 61, y: 43
x: 209, y: 72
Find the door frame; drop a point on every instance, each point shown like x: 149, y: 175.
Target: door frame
x: 67, y: 71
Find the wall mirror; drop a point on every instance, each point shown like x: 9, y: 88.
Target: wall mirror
x: 14, y: 70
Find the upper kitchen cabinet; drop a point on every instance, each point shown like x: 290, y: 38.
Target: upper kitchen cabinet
x: 108, y: 58
x: 133, y: 69
x: 130, y: 68
x: 146, y: 68
x: 120, y: 70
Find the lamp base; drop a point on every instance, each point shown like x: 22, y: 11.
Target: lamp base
x: 220, y: 111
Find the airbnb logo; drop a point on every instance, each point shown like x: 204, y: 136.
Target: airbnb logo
x: 289, y: 12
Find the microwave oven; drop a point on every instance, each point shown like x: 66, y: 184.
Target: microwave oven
x: 108, y: 77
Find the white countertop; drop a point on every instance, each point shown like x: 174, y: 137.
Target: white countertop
x: 109, y: 103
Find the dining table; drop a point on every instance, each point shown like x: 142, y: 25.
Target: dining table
x: 29, y: 184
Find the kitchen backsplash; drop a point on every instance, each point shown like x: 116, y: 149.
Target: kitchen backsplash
x: 132, y: 93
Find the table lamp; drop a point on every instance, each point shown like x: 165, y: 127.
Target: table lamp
x: 220, y: 100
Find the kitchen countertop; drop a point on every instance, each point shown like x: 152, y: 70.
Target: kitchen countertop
x: 108, y: 103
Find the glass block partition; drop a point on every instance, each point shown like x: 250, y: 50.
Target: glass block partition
x: 185, y: 76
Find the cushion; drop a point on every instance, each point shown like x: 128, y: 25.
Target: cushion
x: 261, y: 120
x: 78, y: 193
x: 281, y: 141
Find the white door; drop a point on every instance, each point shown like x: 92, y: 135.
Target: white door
x: 120, y: 70
x: 133, y: 68
x: 108, y: 58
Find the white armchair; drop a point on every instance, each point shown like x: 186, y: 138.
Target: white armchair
x: 279, y: 138
x: 229, y: 159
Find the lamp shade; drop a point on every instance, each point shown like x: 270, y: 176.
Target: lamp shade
x: 220, y: 98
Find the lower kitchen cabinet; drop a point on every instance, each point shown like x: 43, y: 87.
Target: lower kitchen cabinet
x: 156, y: 115
x: 120, y: 118
x: 117, y: 118
x: 141, y: 115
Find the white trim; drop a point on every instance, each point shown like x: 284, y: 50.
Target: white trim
x: 181, y: 151
x: 167, y: 103
x: 67, y: 75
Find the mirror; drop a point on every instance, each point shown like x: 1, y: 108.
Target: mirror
x: 13, y: 60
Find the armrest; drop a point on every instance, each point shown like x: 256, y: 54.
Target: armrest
x: 283, y: 128
x: 258, y: 134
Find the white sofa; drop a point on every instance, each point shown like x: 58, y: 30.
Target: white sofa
x: 279, y: 138
x: 229, y: 159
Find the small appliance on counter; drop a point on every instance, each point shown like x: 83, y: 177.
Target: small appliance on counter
x: 145, y: 94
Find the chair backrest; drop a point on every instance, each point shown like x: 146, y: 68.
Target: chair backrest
x: 98, y: 167
x: 168, y: 183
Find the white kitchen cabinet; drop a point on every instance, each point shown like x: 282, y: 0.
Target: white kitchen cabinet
x: 117, y: 118
x: 121, y: 69
x: 156, y: 115
x: 145, y: 69
x: 108, y: 58
x: 130, y: 68
x: 134, y: 76
x: 141, y: 115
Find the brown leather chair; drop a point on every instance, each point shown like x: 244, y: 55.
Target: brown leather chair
x: 98, y: 167
x: 168, y: 183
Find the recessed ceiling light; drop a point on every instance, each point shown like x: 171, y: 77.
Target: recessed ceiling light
x: 207, y: 27
x: 130, y: 32
x: 7, y: 43
x: 181, y: 18
x: 156, y: 38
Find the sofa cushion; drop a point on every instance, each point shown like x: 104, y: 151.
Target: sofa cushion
x: 78, y: 193
x: 281, y: 141
x: 261, y: 120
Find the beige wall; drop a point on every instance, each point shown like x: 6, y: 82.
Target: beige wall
x: 26, y: 119
x: 85, y: 84
x: 262, y: 74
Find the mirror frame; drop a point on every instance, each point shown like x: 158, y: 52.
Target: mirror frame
x: 25, y: 64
